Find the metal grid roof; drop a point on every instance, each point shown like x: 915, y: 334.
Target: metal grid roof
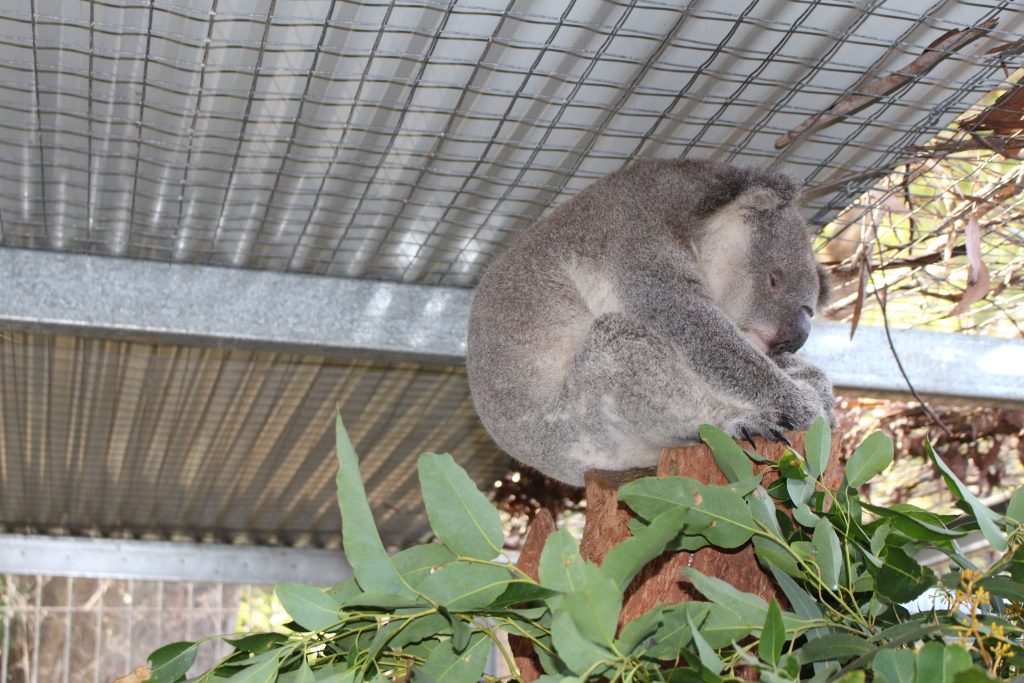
x: 410, y: 140
x: 387, y: 140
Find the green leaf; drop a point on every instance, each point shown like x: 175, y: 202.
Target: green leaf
x: 1015, y: 508
x: 304, y: 674
x: 633, y: 634
x: 939, y: 662
x: 445, y: 665
x: 520, y: 591
x: 800, y: 490
x: 421, y: 628
x: 985, y: 517
x: 762, y: 509
x: 595, y: 606
x: 745, y: 608
x: 171, y: 662
x: 829, y: 553
x: 718, y: 513
x: 627, y: 558
x: 708, y: 658
x: 459, y: 514
x: 818, y: 445
x: 791, y: 465
x: 309, y: 606
x: 914, y: 522
x: 870, y: 458
x: 264, y: 671
x: 383, y: 601
x: 895, y: 666
x: 833, y: 647
x: 561, y: 567
x: 258, y: 642
x: 465, y: 586
x: 1004, y: 587
x: 977, y: 675
x: 773, y: 635
x: 772, y: 555
x: 578, y: 652
x: 800, y: 600
x: 901, y: 578
x: 419, y: 561
x: 803, y: 515
x: 728, y: 455
x: 363, y: 548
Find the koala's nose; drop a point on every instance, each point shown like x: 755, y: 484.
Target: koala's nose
x: 793, y: 335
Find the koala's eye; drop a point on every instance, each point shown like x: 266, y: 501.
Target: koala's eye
x: 773, y: 281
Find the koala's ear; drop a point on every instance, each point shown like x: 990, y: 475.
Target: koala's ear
x: 824, y: 286
x: 760, y: 198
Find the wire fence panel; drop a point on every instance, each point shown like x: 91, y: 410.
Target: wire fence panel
x: 411, y: 140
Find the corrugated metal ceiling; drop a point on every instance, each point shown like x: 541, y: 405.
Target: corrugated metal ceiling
x: 404, y: 141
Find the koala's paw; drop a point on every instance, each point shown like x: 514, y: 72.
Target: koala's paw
x: 769, y: 424
x: 814, y: 382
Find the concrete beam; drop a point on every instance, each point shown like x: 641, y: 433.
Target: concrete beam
x: 169, y: 560
x: 229, y: 307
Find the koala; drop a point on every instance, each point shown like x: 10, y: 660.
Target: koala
x: 666, y: 295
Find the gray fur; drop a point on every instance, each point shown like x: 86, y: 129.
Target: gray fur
x: 641, y: 309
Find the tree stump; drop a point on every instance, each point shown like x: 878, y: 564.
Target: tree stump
x: 661, y: 581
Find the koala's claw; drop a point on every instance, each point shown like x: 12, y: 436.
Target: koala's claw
x: 749, y: 437
x: 779, y: 436
x: 787, y: 422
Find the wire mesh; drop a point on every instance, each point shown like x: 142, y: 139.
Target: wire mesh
x: 411, y: 140
x: 92, y: 630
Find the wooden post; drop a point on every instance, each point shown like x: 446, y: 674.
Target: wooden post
x: 529, y: 561
x: 661, y: 581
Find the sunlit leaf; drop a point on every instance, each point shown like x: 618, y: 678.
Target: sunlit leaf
x: 818, y: 446
x: 985, y: 517
x: 309, y: 606
x: 872, y: 456
x: 170, y: 662
x: 459, y: 513
x: 363, y: 548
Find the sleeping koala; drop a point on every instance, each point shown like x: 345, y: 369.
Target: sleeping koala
x: 666, y: 295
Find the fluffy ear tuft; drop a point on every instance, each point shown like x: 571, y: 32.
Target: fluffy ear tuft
x: 824, y: 287
x: 759, y: 198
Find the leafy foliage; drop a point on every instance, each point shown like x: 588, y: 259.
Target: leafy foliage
x: 847, y: 571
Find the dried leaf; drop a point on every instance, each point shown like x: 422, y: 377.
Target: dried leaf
x: 873, y: 91
x: 977, y: 273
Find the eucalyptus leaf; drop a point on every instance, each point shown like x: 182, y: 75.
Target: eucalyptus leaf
x: 902, y: 578
x: 624, y: 560
x: 264, y: 671
x: 801, y: 601
x: 459, y: 514
x: 939, y: 662
x: 800, y: 490
x: 773, y: 635
x: 363, y: 548
x: 465, y: 586
x: 445, y: 665
x: 985, y: 517
x: 804, y: 515
x: 708, y: 658
x: 419, y: 561
x: 170, y: 662
x: 762, y: 509
x: 641, y: 629
x: 895, y: 666
x: 728, y: 455
x: 257, y: 642
x: 1004, y: 587
x: 595, y: 605
x: 577, y: 651
x: 833, y: 647
x: 818, y: 446
x: 871, y: 457
x: 829, y: 553
x: 561, y: 567
x: 791, y: 465
x: 1015, y: 508
x: 311, y: 607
